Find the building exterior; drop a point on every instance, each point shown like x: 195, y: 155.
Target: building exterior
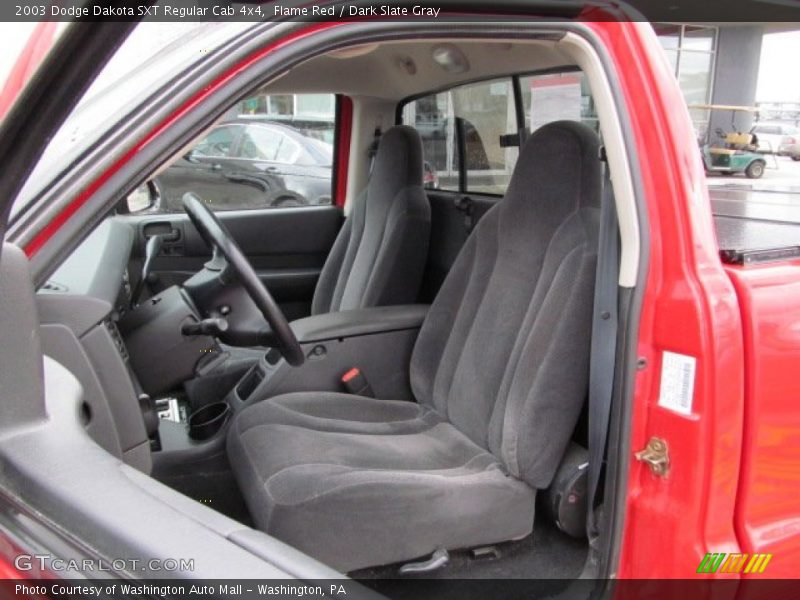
x: 719, y: 64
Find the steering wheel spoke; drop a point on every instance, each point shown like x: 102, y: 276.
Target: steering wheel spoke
x: 228, y: 255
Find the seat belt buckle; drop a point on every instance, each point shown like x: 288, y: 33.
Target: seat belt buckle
x: 356, y: 383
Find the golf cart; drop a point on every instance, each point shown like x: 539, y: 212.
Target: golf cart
x: 734, y: 151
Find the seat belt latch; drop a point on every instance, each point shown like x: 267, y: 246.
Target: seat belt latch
x: 355, y: 383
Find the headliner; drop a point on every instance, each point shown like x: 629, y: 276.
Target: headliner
x: 378, y: 70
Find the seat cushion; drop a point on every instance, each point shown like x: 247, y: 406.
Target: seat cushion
x: 357, y: 482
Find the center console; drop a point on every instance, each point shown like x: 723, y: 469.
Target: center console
x: 378, y: 341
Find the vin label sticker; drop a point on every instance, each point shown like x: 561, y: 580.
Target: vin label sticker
x: 677, y: 382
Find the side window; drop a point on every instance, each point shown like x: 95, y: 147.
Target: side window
x: 467, y: 124
x: 269, y: 151
x: 287, y: 151
x: 259, y: 143
x: 478, y: 124
x: 218, y: 143
x: 485, y: 114
x: 557, y: 97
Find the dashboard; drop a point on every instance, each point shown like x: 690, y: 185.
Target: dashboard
x: 79, y: 307
x: 98, y: 268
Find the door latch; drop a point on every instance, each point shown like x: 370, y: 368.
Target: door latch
x: 656, y: 456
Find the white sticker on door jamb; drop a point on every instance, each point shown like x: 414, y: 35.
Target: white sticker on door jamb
x: 677, y: 382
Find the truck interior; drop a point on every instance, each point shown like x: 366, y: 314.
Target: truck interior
x: 393, y: 384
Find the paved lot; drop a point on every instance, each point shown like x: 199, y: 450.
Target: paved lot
x: 785, y: 177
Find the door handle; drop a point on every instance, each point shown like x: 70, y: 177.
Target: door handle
x: 216, y: 167
x: 165, y: 229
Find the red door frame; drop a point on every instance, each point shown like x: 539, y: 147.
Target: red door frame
x: 689, y: 307
x: 344, y: 133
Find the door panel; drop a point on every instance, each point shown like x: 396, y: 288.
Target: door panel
x: 286, y: 246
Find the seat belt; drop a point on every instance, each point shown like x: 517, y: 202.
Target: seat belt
x: 603, y: 349
x: 372, y: 151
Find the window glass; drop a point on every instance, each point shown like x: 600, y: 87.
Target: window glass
x: 217, y: 143
x: 432, y: 117
x: 315, y: 105
x: 698, y: 38
x: 279, y: 105
x: 669, y: 35
x: 479, y: 114
x: 695, y: 76
x: 259, y: 143
x: 691, y: 51
x: 557, y: 97
x: 479, y: 122
x: 269, y: 151
x: 485, y: 112
x: 287, y: 152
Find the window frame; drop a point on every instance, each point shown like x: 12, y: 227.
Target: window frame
x: 515, y: 80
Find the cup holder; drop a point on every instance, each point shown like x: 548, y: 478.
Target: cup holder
x: 205, y: 422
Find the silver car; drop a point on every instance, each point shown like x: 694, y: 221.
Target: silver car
x: 778, y: 138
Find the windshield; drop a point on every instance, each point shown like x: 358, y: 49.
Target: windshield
x: 152, y: 54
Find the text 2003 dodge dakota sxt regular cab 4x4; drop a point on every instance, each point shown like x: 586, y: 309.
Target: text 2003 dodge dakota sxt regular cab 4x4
x: 406, y: 381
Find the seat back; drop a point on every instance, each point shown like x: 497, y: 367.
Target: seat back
x: 379, y: 256
x: 503, y: 354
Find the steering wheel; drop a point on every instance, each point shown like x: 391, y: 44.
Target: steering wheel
x: 219, y: 239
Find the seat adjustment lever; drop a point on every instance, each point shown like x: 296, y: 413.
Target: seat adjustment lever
x: 438, y: 559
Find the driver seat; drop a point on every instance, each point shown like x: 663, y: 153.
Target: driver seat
x: 379, y: 255
x: 500, y: 373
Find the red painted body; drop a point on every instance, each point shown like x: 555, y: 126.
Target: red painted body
x: 735, y: 460
x: 767, y: 516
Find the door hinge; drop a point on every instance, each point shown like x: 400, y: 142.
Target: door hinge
x: 655, y: 454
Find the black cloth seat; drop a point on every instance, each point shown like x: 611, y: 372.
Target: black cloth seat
x: 499, y: 372
x: 379, y: 255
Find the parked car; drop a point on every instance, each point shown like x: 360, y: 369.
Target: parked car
x: 249, y: 164
x: 778, y: 138
x: 578, y: 377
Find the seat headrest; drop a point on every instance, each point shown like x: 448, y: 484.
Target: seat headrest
x: 559, y: 160
x: 398, y: 162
